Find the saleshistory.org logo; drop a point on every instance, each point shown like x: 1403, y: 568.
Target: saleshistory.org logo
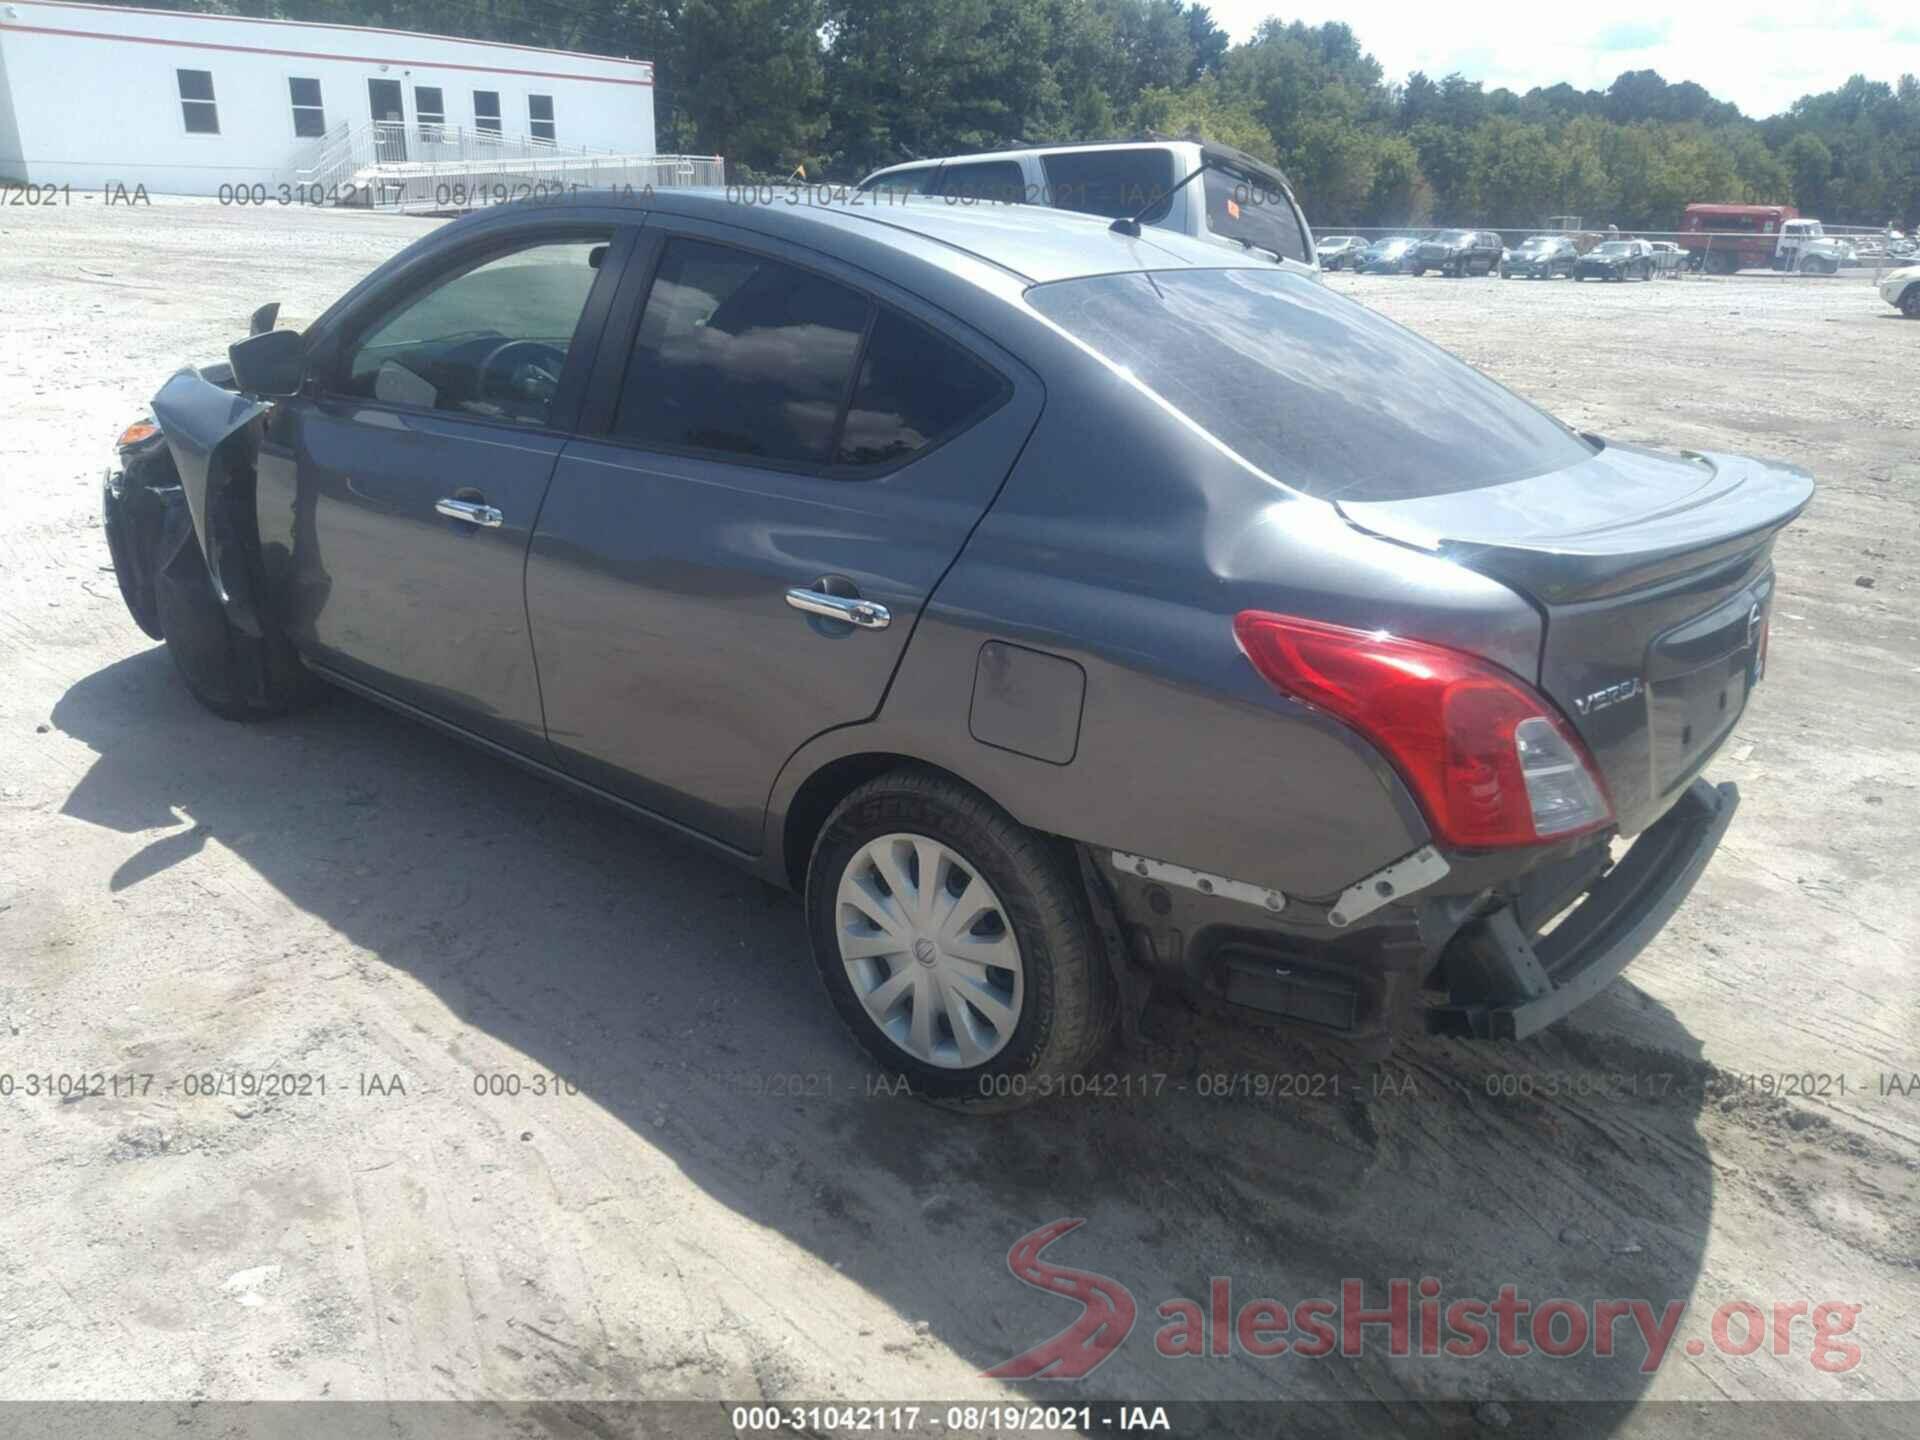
x: 1414, y: 1318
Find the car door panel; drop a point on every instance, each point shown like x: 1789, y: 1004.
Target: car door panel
x: 374, y: 578
x: 675, y: 672
x: 392, y: 593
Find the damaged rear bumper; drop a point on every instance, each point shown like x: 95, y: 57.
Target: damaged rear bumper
x: 1516, y: 985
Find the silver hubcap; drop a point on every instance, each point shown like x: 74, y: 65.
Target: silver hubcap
x: 929, y: 950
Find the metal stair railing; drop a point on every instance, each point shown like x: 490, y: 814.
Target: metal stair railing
x: 385, y: 165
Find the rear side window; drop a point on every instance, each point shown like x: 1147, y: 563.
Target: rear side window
x: 901, y: 182
x: 1110, y: 182
x: 1241, y: 207
x: 1317, y: 390
x: 742, y: 355
x: 915, y: 390
x: 1000, y: 181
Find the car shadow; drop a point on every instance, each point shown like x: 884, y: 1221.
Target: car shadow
x: 677, y: 993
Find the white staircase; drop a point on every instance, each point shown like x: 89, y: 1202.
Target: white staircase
x: 446, y: 169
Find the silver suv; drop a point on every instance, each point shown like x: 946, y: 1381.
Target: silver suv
x: 1211, y: 192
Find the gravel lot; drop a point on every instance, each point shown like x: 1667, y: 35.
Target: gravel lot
x: 344, y: 895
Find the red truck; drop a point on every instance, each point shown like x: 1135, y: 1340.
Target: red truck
x: 1724, y: 238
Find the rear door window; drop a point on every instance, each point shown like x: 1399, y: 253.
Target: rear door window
x: 1256, y: 213
x: 1319, y: 391
x: 740, y: 354
x: 915, y: 390
x: 1113, y: 183
x: 1002, y: 182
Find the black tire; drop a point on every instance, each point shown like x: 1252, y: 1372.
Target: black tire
x: 1070, y: 1003
x: 235, y: 675
x: 130, y: 517
x: 1910, y: 302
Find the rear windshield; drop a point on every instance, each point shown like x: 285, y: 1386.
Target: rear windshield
x: 1315, y: 389
x: 1257, y: 213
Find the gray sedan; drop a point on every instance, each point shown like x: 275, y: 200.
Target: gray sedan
x: 1059, y: 610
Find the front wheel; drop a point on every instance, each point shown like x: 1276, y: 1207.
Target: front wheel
x: 956, y: 944
x: 235, y: 675
x: 1910, y: 302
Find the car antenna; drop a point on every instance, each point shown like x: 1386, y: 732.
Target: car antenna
x: 1130, y: 224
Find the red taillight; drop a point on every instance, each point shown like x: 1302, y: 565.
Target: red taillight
x: 1490, y: 761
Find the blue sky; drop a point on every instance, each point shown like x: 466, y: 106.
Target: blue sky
x: 1762, y: 56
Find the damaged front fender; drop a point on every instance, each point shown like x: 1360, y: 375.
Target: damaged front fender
x: 212, y: 437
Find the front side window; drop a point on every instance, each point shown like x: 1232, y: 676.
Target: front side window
x: 1243, y: 208
x: 490, y: 341
x: 486, y: 111
x: 741, y: 355
x: 540, y: 117
x: 1000, y: 182
x: 1113, y: 183
x: 1318, y: 391
x: 309, y: 118
x: 197, y: 106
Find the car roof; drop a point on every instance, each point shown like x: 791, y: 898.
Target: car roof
x: 1033, y: 242
x: 932, y: 160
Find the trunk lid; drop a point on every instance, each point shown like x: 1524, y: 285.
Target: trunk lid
x: 1654, y: 575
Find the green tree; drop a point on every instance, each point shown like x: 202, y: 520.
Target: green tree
x: 1809, y: 166
x: 1205, y: 111
x: 758, y: 100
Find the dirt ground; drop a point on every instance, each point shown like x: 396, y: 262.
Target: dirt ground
x: 712, y: 1202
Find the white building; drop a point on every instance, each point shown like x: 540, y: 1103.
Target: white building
x: 96, y: 95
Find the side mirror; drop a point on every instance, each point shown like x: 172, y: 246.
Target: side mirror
x: 272, y: 365
x: 263, y: 318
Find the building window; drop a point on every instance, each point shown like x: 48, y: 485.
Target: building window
x: 309, y: 119
x: 429, y: 110
x: 540, y: 117
x: 486, y: 111
x: 196, y: 102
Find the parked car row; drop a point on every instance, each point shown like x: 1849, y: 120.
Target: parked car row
x: 1479, y: 252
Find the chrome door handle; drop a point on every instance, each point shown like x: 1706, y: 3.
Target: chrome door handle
x: 471, y: 512
x: 867, y: 614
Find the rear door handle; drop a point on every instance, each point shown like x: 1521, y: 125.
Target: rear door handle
x: 470, y: 511
x: 867, y: 614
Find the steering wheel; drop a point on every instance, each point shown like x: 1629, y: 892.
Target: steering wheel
x: 534, y: 377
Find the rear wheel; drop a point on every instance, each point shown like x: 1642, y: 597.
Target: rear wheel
x: 956, y: 944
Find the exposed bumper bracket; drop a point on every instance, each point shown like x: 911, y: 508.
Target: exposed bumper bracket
x: 1266, y: 899
x: 1583, y: 954
x: 1403, y: 877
